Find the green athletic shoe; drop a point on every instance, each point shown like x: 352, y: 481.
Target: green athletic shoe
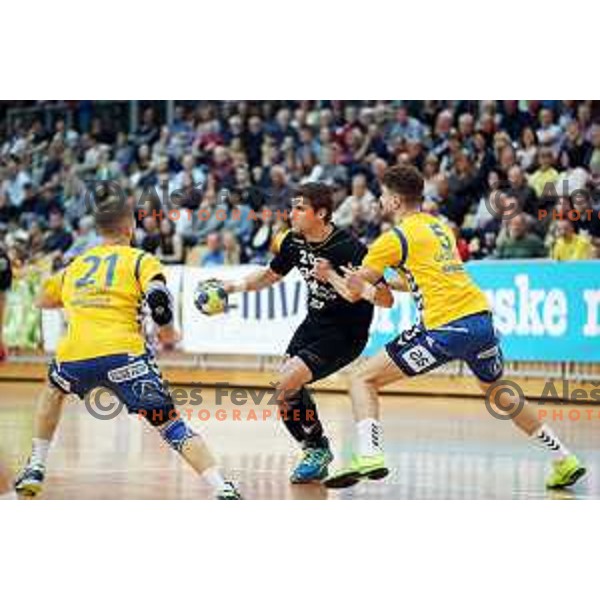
x: 361, y: 467
x: 565, y: 472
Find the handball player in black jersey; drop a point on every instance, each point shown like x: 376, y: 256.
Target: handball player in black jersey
x: 334, y: 332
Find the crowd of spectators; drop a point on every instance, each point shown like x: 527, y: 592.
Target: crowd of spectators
x: 478, y: 158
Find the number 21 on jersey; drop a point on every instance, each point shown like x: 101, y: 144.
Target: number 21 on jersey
x: 92, y: 276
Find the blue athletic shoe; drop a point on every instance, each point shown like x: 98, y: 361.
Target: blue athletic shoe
x: 312, y: 466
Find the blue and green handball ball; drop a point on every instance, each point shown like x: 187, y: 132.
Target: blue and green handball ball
x: 210, y: 297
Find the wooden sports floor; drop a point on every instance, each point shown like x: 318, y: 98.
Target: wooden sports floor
x: 437, y: 448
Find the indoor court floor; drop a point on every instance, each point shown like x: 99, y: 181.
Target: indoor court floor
x: 437, y: 448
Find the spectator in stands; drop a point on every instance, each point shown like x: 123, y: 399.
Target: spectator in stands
x: 123, y: 152
x: 528, y: 150
x: 260, y: 243
x: 406, y: 128
x: 584, y: 118
x: 441, y: 133
x: 462, y: 245
x: 328, y: 170
x: 48, y: 201
x: 259, y: 151
x: 543, y: 179
x: 59, y: 238
x: 549, y: 133
x: 570, y: 245
x: 357, y: 205
x: 170, y: 247
x: 519, y: 189
x: 431, y: 168
x: 441, y: 193
x: 239, y: 216
x: 16, y: 179
x: 514, y: 120
x: 212, y: 254
x: 253, y: 140
x: 465, y: 188
x: 518, y: 241
x: 593, y: 160
x: 589, y: 220
x: 487, y: 208
x: 147, y: 132
x: 378, y: 167
x: 357, y: 223
x: 250, y: 194
x: 279, y: 193
x: 31, y: 204
x: 574, y: 150
x: 149, y: 236
x: 466, y: 131
x: 232, y: 252
x: 189, y: 174
x: 8, y: 212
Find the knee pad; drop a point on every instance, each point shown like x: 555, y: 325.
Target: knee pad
x: 176, y: 433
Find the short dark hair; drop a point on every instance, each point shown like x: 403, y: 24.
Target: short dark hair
x: 110, y: 212
x: 319, y: 195
x: 405, y: 180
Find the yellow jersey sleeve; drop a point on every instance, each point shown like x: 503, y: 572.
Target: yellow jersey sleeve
x: 52, y: 287
x: 147, y: 268
x: 386, y: 251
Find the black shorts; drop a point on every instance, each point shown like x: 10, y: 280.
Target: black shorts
x: 326, y: 348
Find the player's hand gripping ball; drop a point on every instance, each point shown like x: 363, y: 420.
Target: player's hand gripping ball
x: 210, y: 297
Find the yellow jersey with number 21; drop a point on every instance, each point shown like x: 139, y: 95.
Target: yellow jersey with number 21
x: 102, y: 292
x: 422, y: 248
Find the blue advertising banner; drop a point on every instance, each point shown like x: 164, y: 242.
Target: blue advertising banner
x: 544, y: 310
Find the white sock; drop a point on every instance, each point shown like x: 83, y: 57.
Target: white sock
x: 213, y: 477
x: 9, y: 496
x: 370, y: 437
x: 546, y: 438
x: 39, y: 451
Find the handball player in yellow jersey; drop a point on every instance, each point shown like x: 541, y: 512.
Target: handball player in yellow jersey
x: 102, y: 292
x: 455, y: 323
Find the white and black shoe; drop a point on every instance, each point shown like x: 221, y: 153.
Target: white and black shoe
x: 30, y: 481
x: 229, y: 491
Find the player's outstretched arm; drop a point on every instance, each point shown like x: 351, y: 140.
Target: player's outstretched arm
x: 365, y: 284
x: 259, y: 280
x: 380, y: 296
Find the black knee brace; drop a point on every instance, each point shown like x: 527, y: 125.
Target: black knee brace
x: 301, y: 419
